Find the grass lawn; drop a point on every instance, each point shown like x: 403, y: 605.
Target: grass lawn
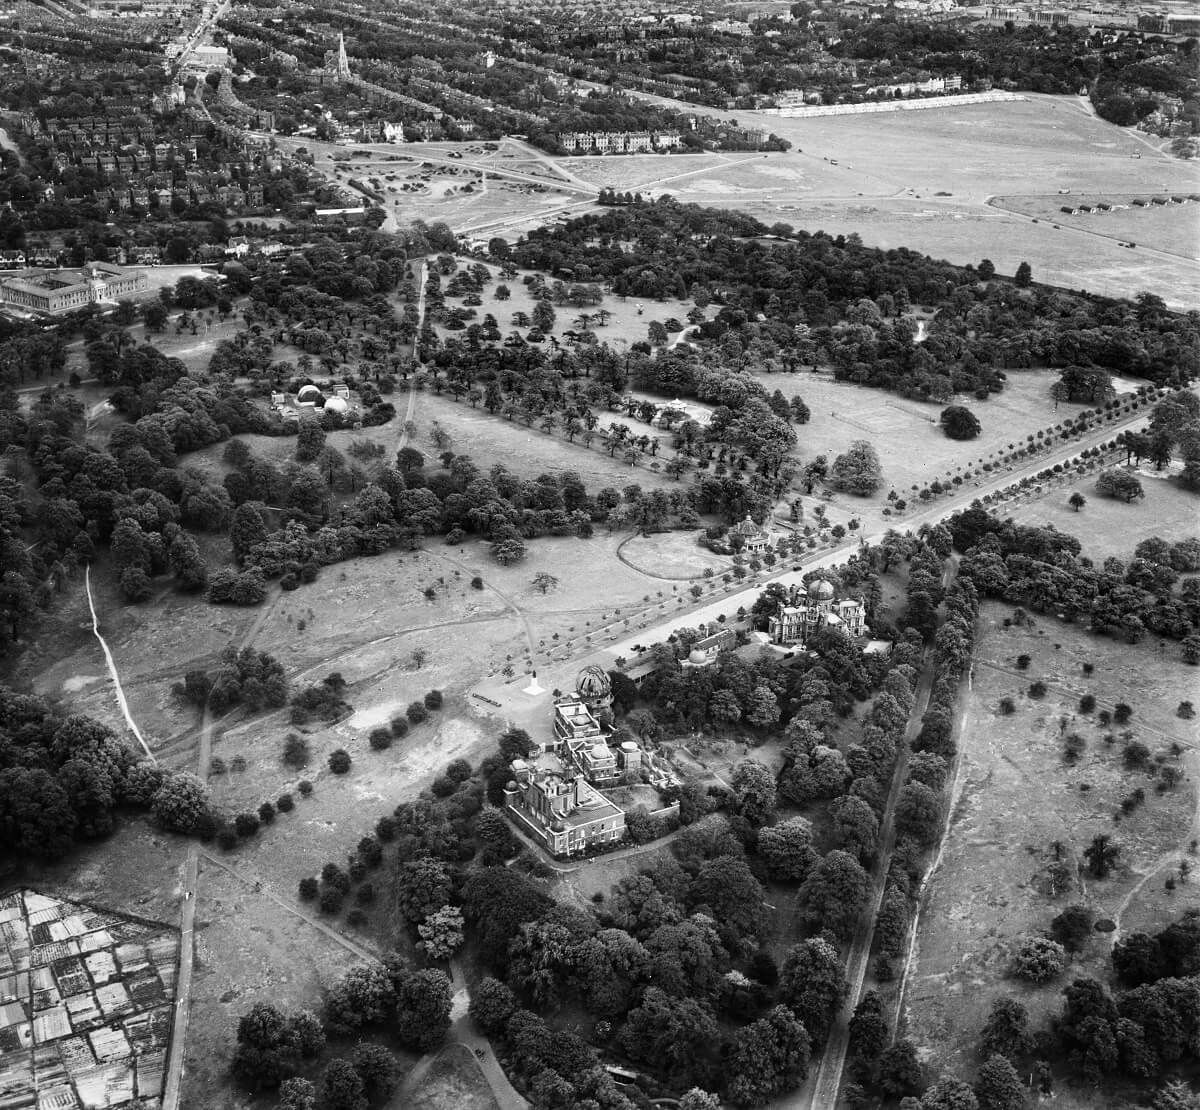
x: 1107, y: 526
x: 1172, y: 227
x: 1017, y: 796
x: 454, y: 1082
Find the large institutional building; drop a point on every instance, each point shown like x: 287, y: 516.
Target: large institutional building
x: 553, y: 796
x: 807, y: 611
x: 55, y: 292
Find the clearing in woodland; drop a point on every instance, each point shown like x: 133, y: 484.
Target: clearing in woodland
x: 1023, y: 814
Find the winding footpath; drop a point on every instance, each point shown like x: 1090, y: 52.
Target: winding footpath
x: 112, y: 668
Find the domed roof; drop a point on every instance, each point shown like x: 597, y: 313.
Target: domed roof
x: 697, y: 656
x: 337, y: 404
x: 592, y: 682
x: 308, y: 393
x: 821, y: 590
x: 747, y: 527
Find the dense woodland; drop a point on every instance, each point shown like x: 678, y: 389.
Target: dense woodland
x: 798, y: 298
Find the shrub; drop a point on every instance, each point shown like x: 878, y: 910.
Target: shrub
x: 1007, y: 706
x: 385, y: 829
x: 459, y: 770
x: 477, y: 583
x: 1072, y: 927
x: 433, y: 699
x: 339, y: 761
x: 285, y: 803
x: 295, y: 751
x: 246, y: 824
x: 1136, y: 756
x: 1087, y: 703
x: 1186, y: 711
x: 1122, y: 713
x: 305, y: 788
x: 331, y: 900
x: 227, y: 837
x: 381, y: 739
x: 266, y: 813
x: 309, y: 889
x: 417, y: 712
x: 365, y: 894
x: 334, y: 876
x: 1023, y: 662
x: 1037, y: 691
x: 399, y: 727
x: 444, y: 786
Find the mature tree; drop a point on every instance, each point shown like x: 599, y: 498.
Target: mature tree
x: 1077, y: 500
x: 919, y: 813
x: 678, y: 1036
x: 813, y: 983
x: 492, y: 1004
x: 900, y: 1070
x: 442, y: 933
x: 858, y: 470
x: 948, y: 1093
x: 753, y: 791
x: 697, y: 1099
x: 959, y: 422
x: 1039, y: 959
x: 539, y: 961
x: 998, y: 1086
x: 1006, y: 1031
x: 787, y: 849
x: 364, y: 996
x: 608, y: 970
x: 855, y: 825
x: 734, y: 897
x: 868, y: 1028
x: 297, y: 1094
x: 1024, y: 276
x: 422, y: 888
x: 422, y: 1007
x: 835, y: 894
x: 377, y: 1068
x: 497, y: 902
x: 1121, y: 484
x: 181, y: 803
x: 268, y: 1049
x: 342, y: 1088
x: 767, y: 1058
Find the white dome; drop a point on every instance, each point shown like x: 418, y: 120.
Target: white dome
x: 337, y: 404
x: 308, y: 393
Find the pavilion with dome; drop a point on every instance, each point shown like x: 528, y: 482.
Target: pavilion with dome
x: 755, y: 538
x: 808, y: 611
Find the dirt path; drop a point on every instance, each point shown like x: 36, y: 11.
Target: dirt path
x: 1168, y: 858
x: 112, y: 668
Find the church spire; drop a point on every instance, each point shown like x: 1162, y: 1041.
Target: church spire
x: 343, y: 63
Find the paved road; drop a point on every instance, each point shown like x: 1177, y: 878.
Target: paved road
x: 937, y: 511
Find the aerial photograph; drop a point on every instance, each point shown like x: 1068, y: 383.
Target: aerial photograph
x: 579, y: 555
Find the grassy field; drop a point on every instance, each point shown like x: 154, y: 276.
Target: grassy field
x: 454, y: 1082
x: 1016, y: 797
x: 1172, y: 228
x: 526, y: 450
x: 922, y: 180
x: 1107, y: 526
